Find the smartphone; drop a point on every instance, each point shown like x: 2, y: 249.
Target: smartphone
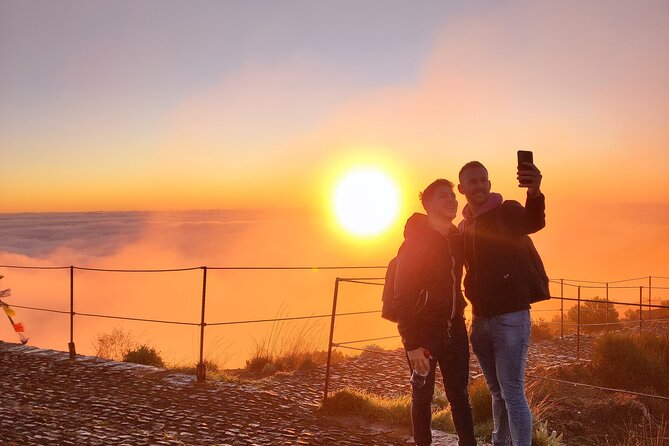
x: 524, y: 156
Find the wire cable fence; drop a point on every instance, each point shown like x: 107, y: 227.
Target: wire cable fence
x: 583, y: 305
x: 371, y: 281
x: 201, y: 369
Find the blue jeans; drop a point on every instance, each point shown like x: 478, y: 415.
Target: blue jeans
x: 500, y: 343
x: 452, y: 355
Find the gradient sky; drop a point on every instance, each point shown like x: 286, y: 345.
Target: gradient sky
x: 124, y: 105
x: 177, y: 105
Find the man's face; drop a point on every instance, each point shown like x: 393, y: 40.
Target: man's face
x: 475, y: 185
x: 443, y: 203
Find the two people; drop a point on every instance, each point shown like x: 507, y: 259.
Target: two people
x: 430, y: 305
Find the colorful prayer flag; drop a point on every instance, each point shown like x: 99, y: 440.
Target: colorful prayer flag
x: 8, y: 311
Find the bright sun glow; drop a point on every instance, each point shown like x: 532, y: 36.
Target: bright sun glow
x: 366, y: 202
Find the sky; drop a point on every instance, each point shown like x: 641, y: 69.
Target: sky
x: 120, y: 105
x: 257, y: 109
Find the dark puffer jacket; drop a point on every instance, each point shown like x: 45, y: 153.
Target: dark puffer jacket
x: 427, y: 281
x: 495, y: 282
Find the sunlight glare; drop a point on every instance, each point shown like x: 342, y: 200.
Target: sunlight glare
x: 366, y: 202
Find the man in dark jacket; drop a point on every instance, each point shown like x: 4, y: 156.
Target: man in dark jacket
x: 496, y: 284
x: 429, y: 306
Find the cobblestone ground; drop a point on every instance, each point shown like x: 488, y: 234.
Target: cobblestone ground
x: 48, y: 399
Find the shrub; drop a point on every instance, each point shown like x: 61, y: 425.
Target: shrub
x: 599, y: 312
x: 541, y: 331
x: 144, y: 355
x: 641, y: 363
x: 372, y: 349
x: 257, y: 363
x: 114, y: 345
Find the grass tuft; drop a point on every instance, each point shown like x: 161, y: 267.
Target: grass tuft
x: 542, y: 437
x: 355, y: 402
x: 289, y: 347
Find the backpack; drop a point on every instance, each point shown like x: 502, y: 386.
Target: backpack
x: 388, y: 297
x: 537, y: 279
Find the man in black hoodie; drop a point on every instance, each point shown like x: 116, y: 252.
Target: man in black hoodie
x: 496, y: 284
x: 429, y: 306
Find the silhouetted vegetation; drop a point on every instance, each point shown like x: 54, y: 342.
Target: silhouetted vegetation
x: 632, y: 362
x: 144, y: 355
x: 541, y: 331
x: 114, y: 345
x: 595, y: 316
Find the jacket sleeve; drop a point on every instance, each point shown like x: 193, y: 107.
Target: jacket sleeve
x: 407, y: 291
x: 521, y: 220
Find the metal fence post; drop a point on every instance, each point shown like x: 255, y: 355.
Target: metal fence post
x: 640, y: 309
x: 72, y: 349
x: 578, y: 326
x: 201, y: 368
x: 650, y: 291
x: 561, y: 308
x: 332, y: 325
x: 606, y: 307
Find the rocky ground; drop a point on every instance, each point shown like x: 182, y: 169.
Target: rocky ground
x: 48, y: 399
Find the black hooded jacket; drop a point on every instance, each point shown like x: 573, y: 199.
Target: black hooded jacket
x: 496, y: 281
x: 427, y: 281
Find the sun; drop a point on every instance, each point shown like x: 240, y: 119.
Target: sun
x: 366, y: 201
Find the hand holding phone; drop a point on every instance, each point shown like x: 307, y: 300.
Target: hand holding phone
x: 524, y: 156
x: 528, y: 174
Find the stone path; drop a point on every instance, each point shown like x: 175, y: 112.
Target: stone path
x: 48, y: 399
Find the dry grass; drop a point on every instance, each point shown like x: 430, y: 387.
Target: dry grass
x: 355, y: 402
x: 290, y: 346
x: 114, y: 345
x: 540, y: 403
x: 649, y: 434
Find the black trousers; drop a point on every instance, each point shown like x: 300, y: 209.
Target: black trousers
x: 452, y: 355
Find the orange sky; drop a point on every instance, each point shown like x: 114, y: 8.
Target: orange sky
x: 101, y: 110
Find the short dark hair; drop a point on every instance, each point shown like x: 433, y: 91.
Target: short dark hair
x: 429, y: 191
x: 472, y: 165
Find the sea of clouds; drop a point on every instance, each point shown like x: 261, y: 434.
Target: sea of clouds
x: 165, y: 240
